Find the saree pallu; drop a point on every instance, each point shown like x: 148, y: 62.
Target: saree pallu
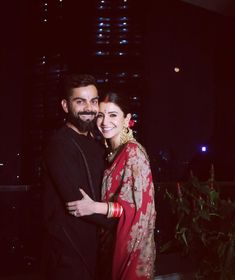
x: 128, y: 181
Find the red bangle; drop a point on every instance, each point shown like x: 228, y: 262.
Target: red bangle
x: 114, y: 210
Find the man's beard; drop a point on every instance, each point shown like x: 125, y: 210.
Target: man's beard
x: 81, y: 125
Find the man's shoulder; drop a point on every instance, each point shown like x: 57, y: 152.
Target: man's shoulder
x: 60, y: 145
x: 58, y: 138
x: 59, y: 134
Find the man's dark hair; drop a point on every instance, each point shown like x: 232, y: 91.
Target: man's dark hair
x: 72, y: 81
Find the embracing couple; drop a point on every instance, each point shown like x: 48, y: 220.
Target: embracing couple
x: 98, y: 197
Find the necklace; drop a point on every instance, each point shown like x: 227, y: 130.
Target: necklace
x: 111, y: 155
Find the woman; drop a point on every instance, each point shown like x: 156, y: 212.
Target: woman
x: 127, y: 194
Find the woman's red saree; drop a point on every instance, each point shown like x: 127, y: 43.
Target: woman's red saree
x: 129, y: 182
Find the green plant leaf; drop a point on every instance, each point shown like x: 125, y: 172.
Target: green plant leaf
x: 204, y: 215
x: 205, y: 227
x: 166, y: 247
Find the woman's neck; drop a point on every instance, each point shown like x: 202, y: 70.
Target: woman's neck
x: 115, y: 143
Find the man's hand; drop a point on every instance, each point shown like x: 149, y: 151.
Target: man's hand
x: 83, y: 207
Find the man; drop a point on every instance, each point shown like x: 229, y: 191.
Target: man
x: 71, y: 243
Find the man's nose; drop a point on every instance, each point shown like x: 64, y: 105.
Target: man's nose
x: 88, y: 106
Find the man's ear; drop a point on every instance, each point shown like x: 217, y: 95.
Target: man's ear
x: 64, y: 105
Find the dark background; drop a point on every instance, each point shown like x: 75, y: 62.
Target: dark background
x: 175, y: 112
x: 178, y: 112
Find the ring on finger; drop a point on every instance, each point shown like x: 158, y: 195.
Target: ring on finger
x: 76, y: 213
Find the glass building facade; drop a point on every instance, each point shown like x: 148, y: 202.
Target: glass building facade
x: 103, y: 38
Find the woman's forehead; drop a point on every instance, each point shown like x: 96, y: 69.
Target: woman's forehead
x: 107, y: 107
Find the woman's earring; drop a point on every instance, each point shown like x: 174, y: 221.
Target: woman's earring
x: 126, y: 135
x: 106, y: 144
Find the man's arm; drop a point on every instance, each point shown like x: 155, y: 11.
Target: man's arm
x: 64, y: 167
x: 67, y: 171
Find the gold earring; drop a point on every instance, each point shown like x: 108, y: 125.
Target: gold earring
x: 106, y: 144
x: 126, y: 135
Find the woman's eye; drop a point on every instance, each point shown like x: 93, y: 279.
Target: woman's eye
x: 113, y: 115
x: 99, y: 116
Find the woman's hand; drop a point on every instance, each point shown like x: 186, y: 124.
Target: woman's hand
x: 83, y: 207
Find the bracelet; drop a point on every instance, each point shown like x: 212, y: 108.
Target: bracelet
x: 114, y: 210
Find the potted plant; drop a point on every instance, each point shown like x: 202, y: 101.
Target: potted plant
x: 205, y: 228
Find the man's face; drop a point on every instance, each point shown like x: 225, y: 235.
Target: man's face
x: 82, y: 107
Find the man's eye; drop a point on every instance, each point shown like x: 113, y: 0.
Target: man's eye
x: 95, y: 102
x: 79, y: 101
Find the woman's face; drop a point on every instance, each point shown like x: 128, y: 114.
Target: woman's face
x: 111, y: 120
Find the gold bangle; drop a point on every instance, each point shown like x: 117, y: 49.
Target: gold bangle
x: 110, y: 210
